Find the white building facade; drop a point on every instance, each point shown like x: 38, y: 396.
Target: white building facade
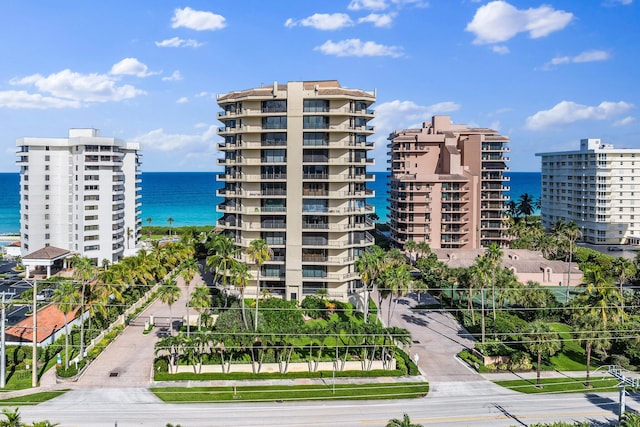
x: 295, y: 174
x: 596, y: 187
x: 81, y: 193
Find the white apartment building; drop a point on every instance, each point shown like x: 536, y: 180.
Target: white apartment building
x: 80, y: 193
x: 596, y: 187
x: 295, y: 173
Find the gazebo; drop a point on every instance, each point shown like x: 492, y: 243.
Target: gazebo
x: 47, y: 257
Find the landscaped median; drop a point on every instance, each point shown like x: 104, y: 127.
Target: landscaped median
x: 280, y: 393
x: 562, y: 385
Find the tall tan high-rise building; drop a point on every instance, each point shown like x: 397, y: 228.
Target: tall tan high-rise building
x: 448, y: 185
x: 295, y: 173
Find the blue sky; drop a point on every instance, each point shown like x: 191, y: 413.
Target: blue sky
x: 544, y: 73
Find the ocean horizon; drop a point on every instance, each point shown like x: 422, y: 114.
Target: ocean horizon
x: 190, y: 197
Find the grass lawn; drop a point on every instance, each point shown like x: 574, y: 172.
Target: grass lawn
x: 561, y: 385
x: 293, y: 393
x: 572, y: 357
x: 32, y: 399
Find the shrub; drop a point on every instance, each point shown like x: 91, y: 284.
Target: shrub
x: 520, y: 361
x: 313, y: 306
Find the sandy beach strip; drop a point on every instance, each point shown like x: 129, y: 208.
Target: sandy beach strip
x: 9, y: 237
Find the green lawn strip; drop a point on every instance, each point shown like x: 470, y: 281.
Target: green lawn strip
x: 212, y: 376
x: 293, y: 393
x: 32, y: 399
x: 561, y: 385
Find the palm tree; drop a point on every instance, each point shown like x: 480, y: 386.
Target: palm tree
x: 65, y: 297
x: 259, y: 252
x: 370, y: 265
x: 623, y: 268
x: 201, y: 301
x: 84, y: 272
x: 397, y: 284
x: 13, y: 418
x: 573, y: 233
x: 188, y: 270
x: 170, y: 221
x: 149, y: 219
x: 169, y: 293
x: 540, y: 340
x: 410, y: 246
x: 423, y: 249
x: 404, y: 422
x: 129, y: 235
x: 494, y: 255
x: 240, y: 275
x: 525, y: 205
x: 223, y: 257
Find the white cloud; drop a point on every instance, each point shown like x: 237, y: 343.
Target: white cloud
x: 591, y: 56
x: 617, y: 2
x: 501, y: 50
x: 624, y: 122
x: 322, y: 21
x: 178, y: 42
x: 498, y: 21
x: 182, y: 100
x: 20, y: 99
x: 131, y: 67
x: 568, y: 112
x: 175, y: 76
x: 367, y: 4
x: 197, y: 20
x: 160, y: 141
x: 397, y: 115
x: 378, y: 20
x: 416, y: 3
x: 70, y: 85
x: 586, y: 56
x: 356, y: 47
x: 206, y: 94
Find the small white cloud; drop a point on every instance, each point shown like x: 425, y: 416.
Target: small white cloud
x: 498, y: 21
x: 367, y: 4
x: 415, y: 3
x: 587, y: 56
x: 182, y: 100
x: 69, y: 85
x: 592, y: 56
x: 19, y: 99
x: 378, y: 20
x: 322, y: 21
x: 501, y: 50
x: 175, y: 76
x: 130, y: 67
x: 178, y: 42
x: 618, y: 2
x: 205, y: 94
x: 626, y: 121
x: 356, y: 47
x: 566, y: 112
x: 197, y: 20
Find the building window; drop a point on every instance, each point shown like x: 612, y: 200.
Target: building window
x: 274, y: 106
x: 47, y: 158
x: 315, y: 106
x: 315, y: 122
x: 277, y: 122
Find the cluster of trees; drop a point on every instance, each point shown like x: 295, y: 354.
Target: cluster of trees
x: 521, y: 314
x: 104, y: 292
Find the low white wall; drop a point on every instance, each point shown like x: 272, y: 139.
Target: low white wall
x: 293, y: 367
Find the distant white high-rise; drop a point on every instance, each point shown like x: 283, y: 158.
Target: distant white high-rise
x: 80, y: 193
x: 596, y: 188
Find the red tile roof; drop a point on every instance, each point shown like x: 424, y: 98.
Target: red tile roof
x: 50, y: 320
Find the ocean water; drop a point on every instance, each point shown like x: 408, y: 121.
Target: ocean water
x: 190, y: 197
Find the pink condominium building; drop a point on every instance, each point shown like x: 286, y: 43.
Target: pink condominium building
x: 448, y: 186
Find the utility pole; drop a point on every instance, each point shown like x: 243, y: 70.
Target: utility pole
x: 3, y: 358
x: 624, y: 382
